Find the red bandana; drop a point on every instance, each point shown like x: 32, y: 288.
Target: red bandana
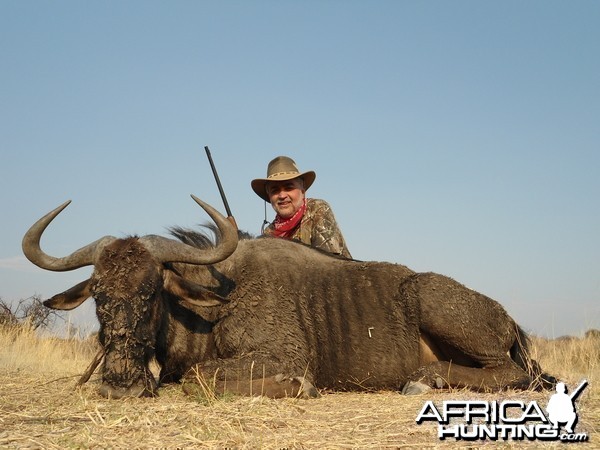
x: 284, y: 228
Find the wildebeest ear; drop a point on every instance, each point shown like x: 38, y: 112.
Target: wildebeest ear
x: 191, y: 292
x: 71, y: 298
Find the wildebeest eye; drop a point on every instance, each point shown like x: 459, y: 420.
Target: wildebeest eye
x: 103, y: 308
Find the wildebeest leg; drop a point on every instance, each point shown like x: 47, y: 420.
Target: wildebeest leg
x: 471, y: 336
x: 444, y: 374
x: 248, y: 375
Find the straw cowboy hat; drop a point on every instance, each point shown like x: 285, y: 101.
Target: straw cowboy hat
x: 281, y: 168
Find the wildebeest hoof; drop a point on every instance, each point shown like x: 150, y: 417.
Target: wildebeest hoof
x: 307, y: 390
x: 415, y: 388
x: 134, y: 391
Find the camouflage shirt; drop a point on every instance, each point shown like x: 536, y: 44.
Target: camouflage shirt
x: 318, y: 228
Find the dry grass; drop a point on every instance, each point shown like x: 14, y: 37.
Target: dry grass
x: 41, y: 408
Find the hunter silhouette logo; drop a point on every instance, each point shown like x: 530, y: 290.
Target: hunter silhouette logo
x: 561, y: 406
x: 508, y: 419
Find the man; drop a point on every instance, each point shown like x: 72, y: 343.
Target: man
x: 307, y: 220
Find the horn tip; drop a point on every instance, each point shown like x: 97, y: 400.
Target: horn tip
x: 63, y: 206
x: 197, y: 200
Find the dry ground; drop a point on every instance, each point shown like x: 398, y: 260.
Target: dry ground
x: 40, y: 407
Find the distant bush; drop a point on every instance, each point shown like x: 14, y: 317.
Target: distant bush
x: 29, y: 312
x: 592, y: 333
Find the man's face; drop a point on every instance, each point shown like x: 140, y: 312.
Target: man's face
x: 286, y: 196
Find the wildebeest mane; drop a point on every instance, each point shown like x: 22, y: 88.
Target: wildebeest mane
x: 208, y: 236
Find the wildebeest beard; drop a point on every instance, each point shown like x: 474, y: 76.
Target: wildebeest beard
x: 128, y: 325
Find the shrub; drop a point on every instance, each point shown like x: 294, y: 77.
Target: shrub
x: 29, y: 312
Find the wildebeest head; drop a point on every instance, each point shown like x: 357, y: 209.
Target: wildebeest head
x: 128, y: 284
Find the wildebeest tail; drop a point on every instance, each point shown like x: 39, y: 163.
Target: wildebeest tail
x: 520, y: 353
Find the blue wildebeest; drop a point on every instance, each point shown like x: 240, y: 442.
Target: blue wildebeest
x: 274, y: 317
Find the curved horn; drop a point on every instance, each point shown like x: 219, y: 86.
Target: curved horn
x: 168, y: 250
x: 79, y: 258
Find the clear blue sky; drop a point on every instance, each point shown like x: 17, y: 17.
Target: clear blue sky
x: 456, y: 137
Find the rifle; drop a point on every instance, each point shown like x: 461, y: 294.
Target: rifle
x: 578, y: 390
x: 216, y: 175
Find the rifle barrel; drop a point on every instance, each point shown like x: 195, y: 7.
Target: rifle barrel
x: 216, y: 175
x: 579, y: 389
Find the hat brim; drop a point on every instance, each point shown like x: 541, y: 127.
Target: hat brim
x: 259, y: 185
